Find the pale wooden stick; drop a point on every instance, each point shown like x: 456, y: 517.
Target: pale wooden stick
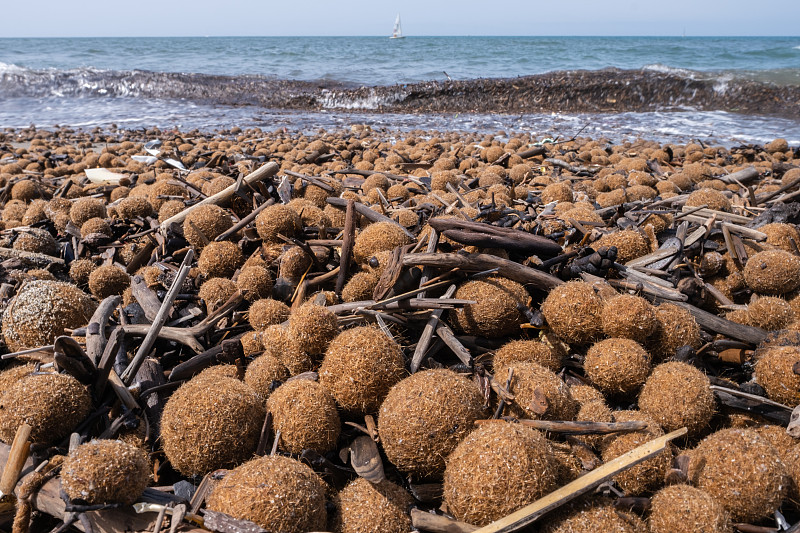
x: 16, y: 459
x: 33, y: 257
x: 438, y: 523
x: 161, y: 318
x: 585, y: 483
x: 265, y: 171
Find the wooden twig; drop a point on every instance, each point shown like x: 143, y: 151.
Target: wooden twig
x: 161, y: 318
x: 31, y: 257
x: 438, y: 524
x: 245, y: 221
x: 532, y: 512
x: 265, y: 171
x: 427, y: 333
x: 578, y: 428
x: 369, y: 214
x: 481, y: 262
x: 347, y: 246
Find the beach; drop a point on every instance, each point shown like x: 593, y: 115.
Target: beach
x: 511, y: 291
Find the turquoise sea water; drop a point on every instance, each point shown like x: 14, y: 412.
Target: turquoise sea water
x: 99, y: 81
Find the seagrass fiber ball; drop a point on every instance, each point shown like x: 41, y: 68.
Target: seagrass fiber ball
x: 254, y: 282
x: 742, y: 471
x: 645, y: 476
x: 275, y: 492
x: 220, y: 259
x: 498, y: 468
x: 775, y: 372
x: 629, y: 316
x: 678, y: 395
x: 602, y: 516
x: 205, y: 224
x: 263, y: 372
x: 772, y: 272
x: 574, y: 312
x: 521, y: 351
x: 539, y: 393
x: 216, y: 291
x: 306, y: 416
x: 277, y: 219
x: 424, y: 417
x: 313, y: 327
x: 211, y: 423
x: 686, y: 509
x: 42, y: 310
x: 360, y: 366
x: 108, y: 280
x: 105, y: 471
x: 495, y: 313
x: 378, y: 237
x: 277, y: 342
x: 617, y: 366
x: 52, y: 404
x: 267, y: 312
x: 364, y: 507
x: 85, y: 208
x: 676, y: 328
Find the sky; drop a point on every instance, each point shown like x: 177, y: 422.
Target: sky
x: 98, y: 18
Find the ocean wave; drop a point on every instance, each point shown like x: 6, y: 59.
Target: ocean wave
x: 611, y: 90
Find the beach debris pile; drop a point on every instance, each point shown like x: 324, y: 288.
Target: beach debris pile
x: 247, y: 331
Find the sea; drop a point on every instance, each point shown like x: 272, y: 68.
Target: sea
x: 725, y: 90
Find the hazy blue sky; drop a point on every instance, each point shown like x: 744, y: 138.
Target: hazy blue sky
x: 57, y: 18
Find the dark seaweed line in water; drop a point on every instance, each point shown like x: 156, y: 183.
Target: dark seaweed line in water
x: 603, y: 91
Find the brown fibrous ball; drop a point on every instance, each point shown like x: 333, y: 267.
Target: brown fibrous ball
x: 105, y: 471
x: 521, y: 351
x: 220, y: 259
x: 424, y: 417
x: 41, y: 311
x: 678, y: 395
x: 305, y: 414
x: 85, y: 208
x: 263, y: 372
x: 96, y: 225
x: 254, y: 282
x: 742, y: 471
x: 267, y: 312
x: 108, y: 280
x: 365, y: 507
x: 686, y: 509
x: 205, y: 224
x: 645, y: 476
x: 80, y: 270
x: 277, y: 493
x: 378, y: 237
x: 134, y: 207
x: 313, y: 327
x: 539, y: 393
x: 676, y: 327
x: 770, y: 313
x: 617, y: 366
x: 52, y: 404
x: 216, y: 291
x: 277, y: 342
x: 211, y: 423
x: 630, y: 244
x: 772, y: 272
x: 574, y: 312
x: 277, y: 219
x: 360, y: 366
x: 775, y: 371
x: 497, y: 469
x: 495, y: 313
x: 36, y: 240
x: 629, y: 316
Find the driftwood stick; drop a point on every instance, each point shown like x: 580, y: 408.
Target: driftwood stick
x: 369, y: 214
x: 427, y: 333
x: 530, y: 513
x: 17, y: 456
x: 347, y: 246
x: 245, y: 221
x: 96, y: 332
x: 161, y: 318
x: 438, y: 524
x: 706, y: 320
x: 265, y: 171
x: 579, y: 428
x: 31, y: 257
x: 742, y: 176
x: 146, y: 297
x: 481, y: 234
x: 532, y: 152
x: 480, y: 262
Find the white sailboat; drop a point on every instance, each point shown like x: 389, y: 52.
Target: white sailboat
x: 397, y: 31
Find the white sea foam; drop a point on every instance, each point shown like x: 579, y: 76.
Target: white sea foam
x: 336, y: 100
x: 666, y: 69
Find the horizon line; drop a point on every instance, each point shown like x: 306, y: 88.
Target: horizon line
x: 678, y: 35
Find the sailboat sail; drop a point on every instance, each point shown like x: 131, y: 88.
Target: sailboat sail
x: 397, y: 31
